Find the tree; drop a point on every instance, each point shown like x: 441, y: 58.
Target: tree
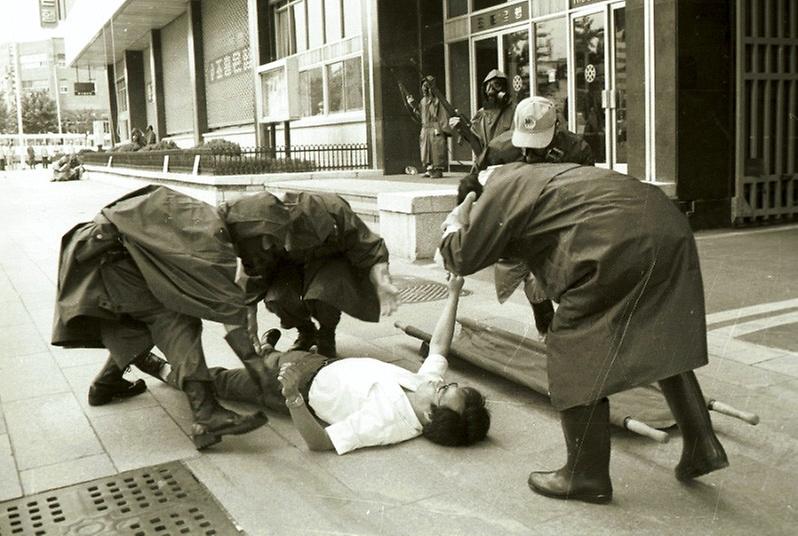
x: 81, y: 121
x: 6, y: 120
x: 38, y: 113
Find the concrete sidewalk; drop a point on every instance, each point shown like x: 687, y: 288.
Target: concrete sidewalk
x: 271, y: 484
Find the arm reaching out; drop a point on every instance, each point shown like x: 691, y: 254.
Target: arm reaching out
x: 444, y: 330
x: 312, y: 432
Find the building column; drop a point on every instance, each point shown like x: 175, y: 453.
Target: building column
x: 196, y: 69
x: 112, y: 105
x: 156, y: 75
x: 136, y: 90
x: 695, y: 106
x: 388, y: 30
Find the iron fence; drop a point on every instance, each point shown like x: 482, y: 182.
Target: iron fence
x: 246, y: 161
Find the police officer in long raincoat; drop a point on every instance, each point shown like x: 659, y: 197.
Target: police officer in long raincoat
x: 144, y: 272
x: 328, y: 262
x: 621, y: 261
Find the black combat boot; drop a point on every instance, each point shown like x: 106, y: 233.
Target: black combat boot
x: 325, y: 338
x: 153, y: 365
x: 586, y: 473
x: 109, y: 384
x: 702, y: 453
x: 212, y: 421
x: 266, y: 380
x: 306, y: 338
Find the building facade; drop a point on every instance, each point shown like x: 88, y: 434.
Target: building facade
x: 80, y: 94
x: 695, y: 96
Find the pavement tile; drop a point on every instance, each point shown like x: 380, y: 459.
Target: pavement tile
x: 66, y: 473
x: 30, y: 376
x: 9, y: 481
x: 48, y: 430
x: 142, y: 437
x: 20, y: 340
x: 787, y: 364
x: 13, y: 313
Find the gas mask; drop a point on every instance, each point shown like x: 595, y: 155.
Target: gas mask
x: 496, y: 91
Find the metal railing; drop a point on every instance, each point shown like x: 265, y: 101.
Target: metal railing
x: 247, y: 161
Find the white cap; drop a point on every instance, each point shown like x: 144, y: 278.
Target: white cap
x: 534, y: 123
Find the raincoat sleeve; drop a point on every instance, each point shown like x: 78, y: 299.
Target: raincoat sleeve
x: 496, y: 218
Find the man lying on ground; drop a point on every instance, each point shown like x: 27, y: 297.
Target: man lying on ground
x: 364, y: 401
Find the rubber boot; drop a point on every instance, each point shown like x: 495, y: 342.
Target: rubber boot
x: 153, y: 365
x: 109, y: 384
x: 702, y: 453
x: 586, y: 473
x: 212, y: 421
x: 306, y: 338
x: 271, y: 396
x: 325, y: 338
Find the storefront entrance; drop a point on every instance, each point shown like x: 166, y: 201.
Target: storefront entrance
x: 598, y: 109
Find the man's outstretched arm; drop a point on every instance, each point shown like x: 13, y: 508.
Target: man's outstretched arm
x: 309, y: 428
x: 441, y: 339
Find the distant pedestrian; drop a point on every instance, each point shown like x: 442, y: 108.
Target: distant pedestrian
x: 434, y: 132
x: 2, y: 158
x: 31, y: 157
x: 45, y: 157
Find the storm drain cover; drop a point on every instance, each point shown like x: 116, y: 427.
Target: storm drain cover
x: 417, y: 290
x: 162, y: 500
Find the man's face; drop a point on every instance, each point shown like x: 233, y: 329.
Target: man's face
x: 442, y: 394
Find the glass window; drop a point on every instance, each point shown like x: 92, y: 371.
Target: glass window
x: 551, y: 64
x: 311, y: 92
x: 353, y: 79
x: 352, y: 18
x: 516, y: 63
x: 283, y: 34
x: 332, y: 20
x: 300, y: 26
x: 455, y: 8
x: 335, y: 87
x: 315, y: 23
x: 483, y: 4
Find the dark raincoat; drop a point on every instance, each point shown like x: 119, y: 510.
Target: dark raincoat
x: 179, y: 244
x: 490, y: 122
x: 319, y: 227
x: 565, y: 147
x: 434, y: 131
x: 618, y: 257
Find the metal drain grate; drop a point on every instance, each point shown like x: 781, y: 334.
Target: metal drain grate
x: 416, y: 290
x: 163, y: 500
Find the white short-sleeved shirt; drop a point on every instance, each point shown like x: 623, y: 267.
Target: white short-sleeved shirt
x: 364, y: 400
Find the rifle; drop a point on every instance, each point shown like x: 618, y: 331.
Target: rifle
x: 464, y: 128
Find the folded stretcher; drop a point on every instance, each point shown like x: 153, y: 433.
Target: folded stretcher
x: 522, y: 359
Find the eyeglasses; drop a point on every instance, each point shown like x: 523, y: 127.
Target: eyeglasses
x: 443, y: 388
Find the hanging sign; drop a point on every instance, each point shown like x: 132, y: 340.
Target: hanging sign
x: 500, y: 17
x: 48, y: 13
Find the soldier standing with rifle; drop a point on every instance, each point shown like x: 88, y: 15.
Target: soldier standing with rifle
x: 494, y: 118
x: 434, y: 130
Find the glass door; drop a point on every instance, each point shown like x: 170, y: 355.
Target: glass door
x: 599, y: 83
